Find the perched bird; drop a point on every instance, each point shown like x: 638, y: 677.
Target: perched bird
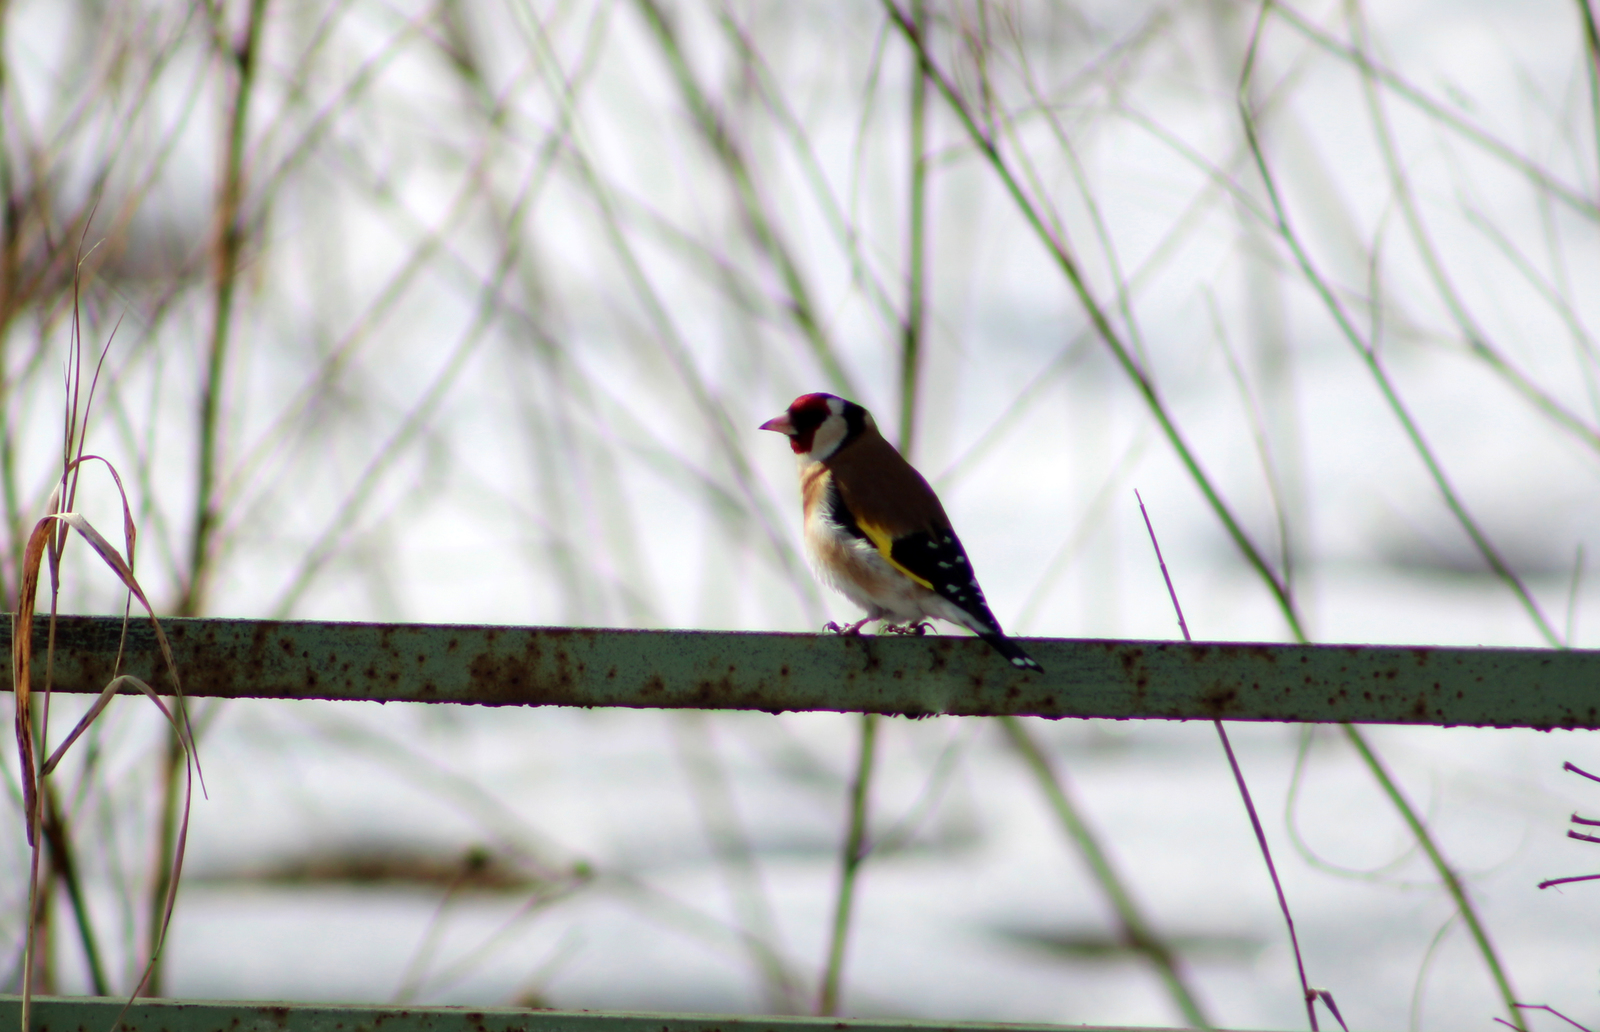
x: 874, y: 529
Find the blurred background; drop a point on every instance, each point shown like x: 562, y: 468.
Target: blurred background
x: 467, y: 312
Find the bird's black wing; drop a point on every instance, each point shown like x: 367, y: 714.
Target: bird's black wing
x: 937, y: 560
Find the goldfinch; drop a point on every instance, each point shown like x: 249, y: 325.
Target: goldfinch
x: 875, y: 531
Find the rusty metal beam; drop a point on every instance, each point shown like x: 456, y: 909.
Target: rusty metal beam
x: 560, y: 666
x: 73, y: 1014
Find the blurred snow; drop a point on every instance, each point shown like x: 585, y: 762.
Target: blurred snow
x: 954, y: 925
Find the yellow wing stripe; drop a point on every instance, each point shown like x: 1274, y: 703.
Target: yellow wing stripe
x: 880, y: 537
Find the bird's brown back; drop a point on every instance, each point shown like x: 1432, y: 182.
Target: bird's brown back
x: 880, y: 487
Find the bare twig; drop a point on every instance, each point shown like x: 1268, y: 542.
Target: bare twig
x: 1309, y: 994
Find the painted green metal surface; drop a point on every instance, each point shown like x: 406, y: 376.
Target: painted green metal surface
x: 92, y: 1014
x: 559, y: 666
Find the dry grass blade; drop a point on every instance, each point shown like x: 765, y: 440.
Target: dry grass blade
x: 112, y: 558
x: 41, y: 541
x: 112, y: 689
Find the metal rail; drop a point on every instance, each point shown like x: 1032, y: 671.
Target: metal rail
x: 74, y: 1014
x: 561, y: 666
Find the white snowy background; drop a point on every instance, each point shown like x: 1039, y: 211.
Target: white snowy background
x: 503, y: 323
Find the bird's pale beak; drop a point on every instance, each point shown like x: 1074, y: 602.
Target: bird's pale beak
x: 782, y: 424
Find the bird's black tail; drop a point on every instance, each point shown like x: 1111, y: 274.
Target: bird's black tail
x: 1008, y: 648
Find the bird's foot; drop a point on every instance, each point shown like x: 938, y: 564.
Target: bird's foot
x: 852, y: 630
x: 917, y: 628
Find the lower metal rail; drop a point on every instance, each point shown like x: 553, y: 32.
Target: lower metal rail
x: 96, y: 1014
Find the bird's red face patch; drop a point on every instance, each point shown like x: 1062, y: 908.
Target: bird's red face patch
x: 807, y: 412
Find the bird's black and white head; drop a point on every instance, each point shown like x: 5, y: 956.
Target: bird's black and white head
x: 818, y: 425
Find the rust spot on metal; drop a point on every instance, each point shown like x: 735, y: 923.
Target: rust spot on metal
x: 500, y: 678
x: 1219, y: 699
x: 711, y: 691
